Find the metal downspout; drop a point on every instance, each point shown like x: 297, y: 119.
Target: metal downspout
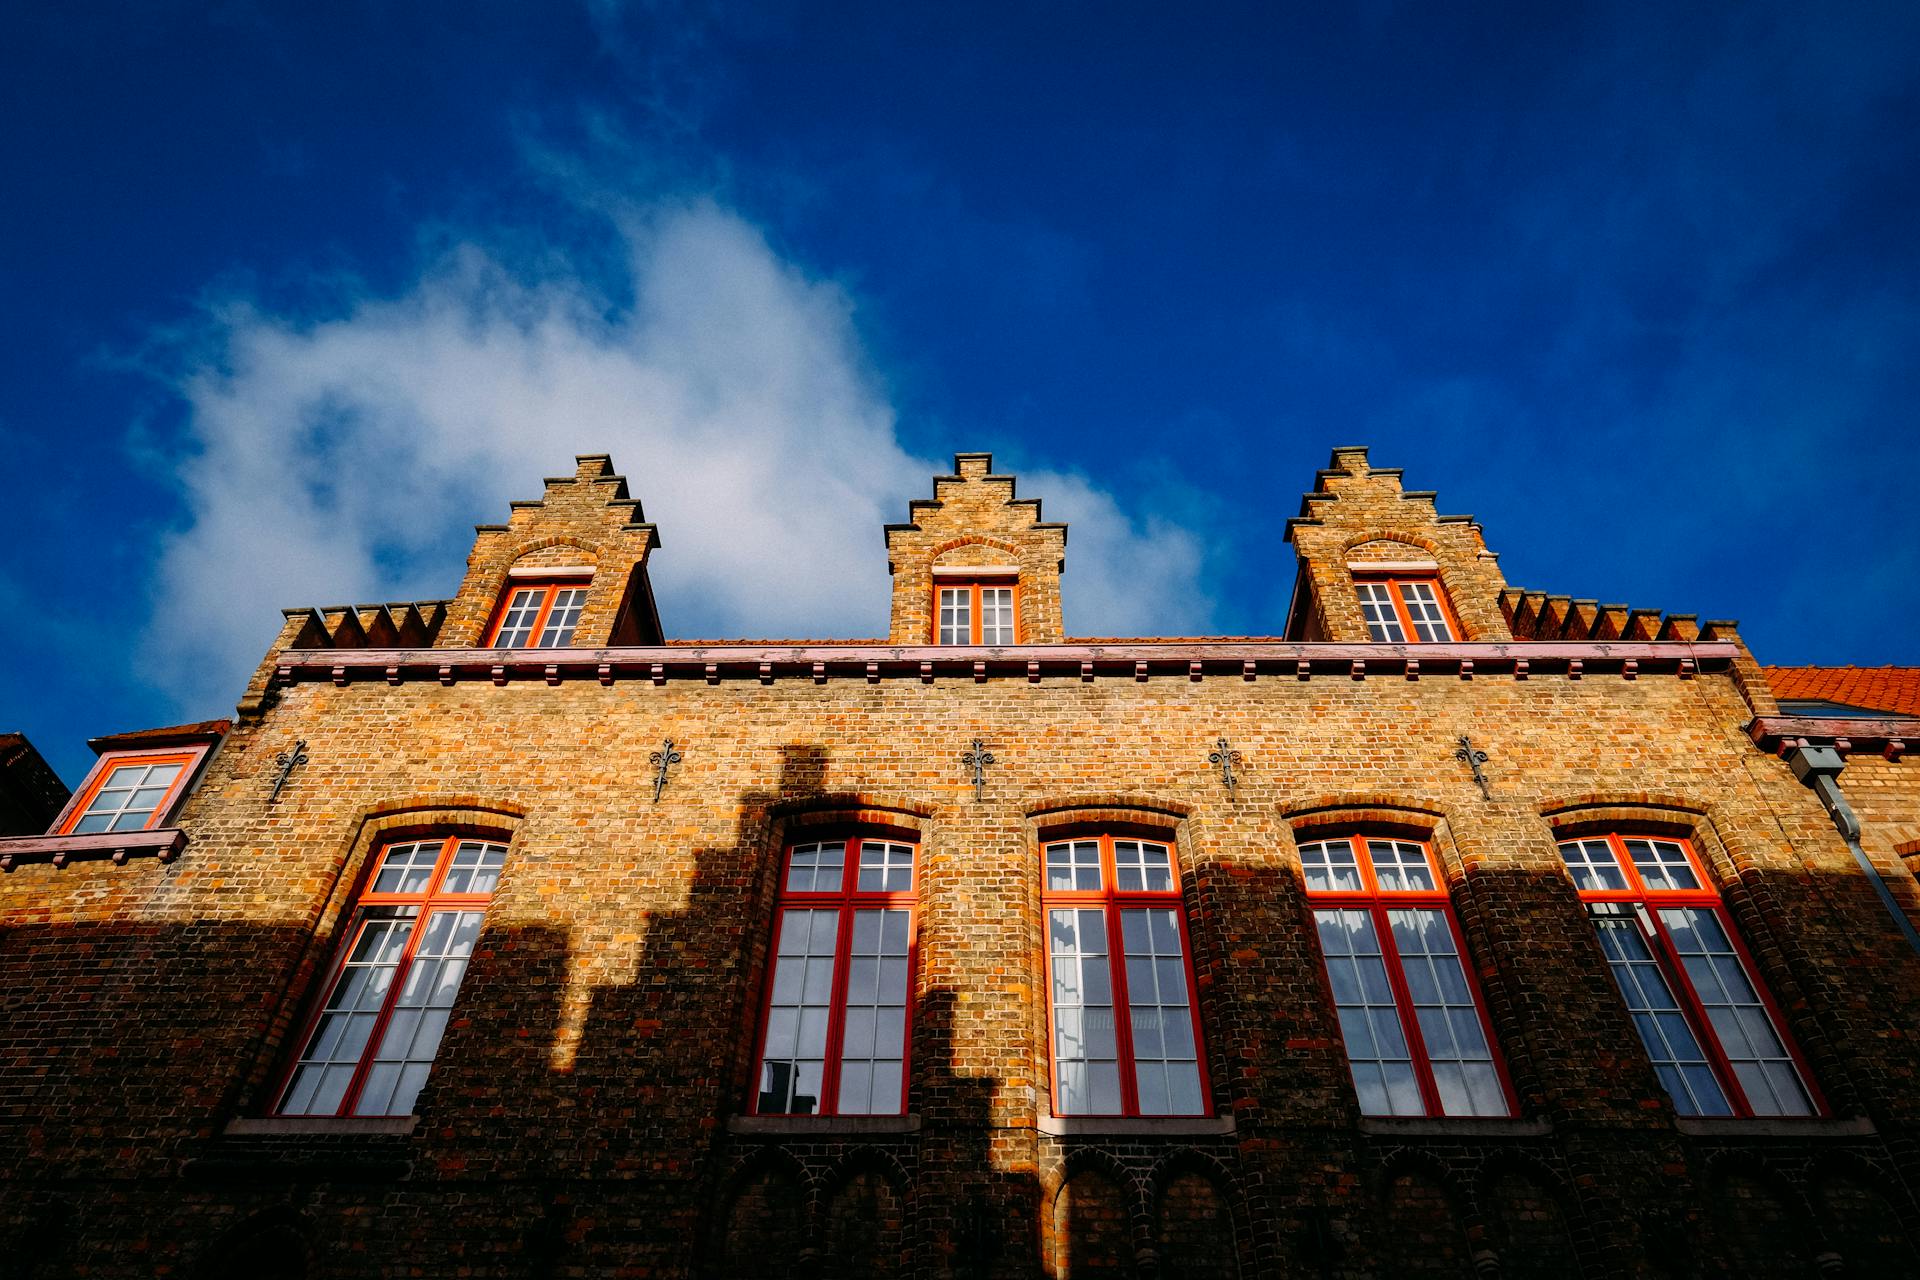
x: 1819, y: 768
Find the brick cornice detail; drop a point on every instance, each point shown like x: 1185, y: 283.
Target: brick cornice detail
x: 1892, y: 738
x: 1143, y: 660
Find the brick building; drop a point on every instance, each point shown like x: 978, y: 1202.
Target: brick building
x: 1461, y: 930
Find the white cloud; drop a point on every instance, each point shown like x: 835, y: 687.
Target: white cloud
x: 346, y: 460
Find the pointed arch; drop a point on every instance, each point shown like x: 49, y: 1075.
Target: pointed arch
x: 1199, y: 1228
x: 760, y: 1226
x: 1424, y: 1217
x: 1096, y: 1220
x: 1761, y: 1225
x: 866, y: 1216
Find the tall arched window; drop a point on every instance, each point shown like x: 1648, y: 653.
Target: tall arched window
x: 1416, y: 1032
x: 835, y: 1027
x: 1126, y: 1041
x: 1713, y: 1033
x: 391, y: 990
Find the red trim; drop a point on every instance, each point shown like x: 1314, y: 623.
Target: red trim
x: 847, y: 900
x: 959, y: 582
x: 1639, y: 893
x: 1376, y: 902
x: 188, y: 759
x: 1394, y: 581
x: 1113, y: 900
x: 428, y: 901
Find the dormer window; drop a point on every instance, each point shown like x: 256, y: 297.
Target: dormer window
x: 975, y: 609
x: 132, y: 792
x: 539, y: 614
x: 1405, y: 608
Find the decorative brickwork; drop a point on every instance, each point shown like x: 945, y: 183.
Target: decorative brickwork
x: 588, y: 1110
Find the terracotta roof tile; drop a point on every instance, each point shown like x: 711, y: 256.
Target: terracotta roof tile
x: 1875, y: 688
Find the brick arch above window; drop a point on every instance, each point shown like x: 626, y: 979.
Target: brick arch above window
x: 1099, y: 806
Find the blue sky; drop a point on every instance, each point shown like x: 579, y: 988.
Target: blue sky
x: 291, y: 296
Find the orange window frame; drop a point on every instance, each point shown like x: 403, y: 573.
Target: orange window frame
x: 103, y: 769
x: 973, y: 587
x: 551, y: 589
x: 1393, y: 582
x: 1112, y: 900
x: 1666, y: 955
x: 1377, y: 902
x: 848, y: 900
x: 427, y: 901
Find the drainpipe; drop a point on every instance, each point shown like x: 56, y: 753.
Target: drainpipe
x: 1819, y: 768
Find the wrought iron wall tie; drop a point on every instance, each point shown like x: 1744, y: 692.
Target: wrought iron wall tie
x: 1473, y: 758
x: 285, y: 763
x: 662, y: 760
x: 977, y: 760
x: 1224, y: 758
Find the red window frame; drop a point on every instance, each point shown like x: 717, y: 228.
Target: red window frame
x: 973, y: 586
x: 1645, y: 901
x: 1394, y: 582
x: 188, y: 759
x: 366, y: 906
x: 1377, y: 902
x: 550, y: 589
x: 1112, y: 901
x: 848, y: 900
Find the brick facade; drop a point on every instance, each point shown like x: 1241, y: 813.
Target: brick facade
x: 588, y: 1110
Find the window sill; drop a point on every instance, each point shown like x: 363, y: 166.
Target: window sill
x: 273, y: 1126
x: 1774, y: 1127
x: 821, y: 1126
x: 1454, y: 1127
x: 164, y: 843
x: 1135, y: 1126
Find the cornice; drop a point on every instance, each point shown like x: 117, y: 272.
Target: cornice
x: 1890, y: 736
x: 1137, y: 660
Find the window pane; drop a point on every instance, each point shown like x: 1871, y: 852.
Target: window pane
x: 1383, y: 624
x: 1157, y: 1003
x: 800, y: 999
x: 1400, y: 866
x: 1662, y: 864
x: 885, y: 868
x: 1423, y: 607
x: 1748, y: 1038
x: 956, y: 615
x: 1449, y: 1020
x: 326, y: 1065
x: 563, y: 618
x: 1369, y: 1021
x: 1592, y: 865
x: 516, y: 623
x: 1330, y: 867
x: 1086, y: 1070
x: 816, y: 868
x: 1074, y: 867
x: 996, y: 615
x: 876, y: 1010
x: 1670, y: 1042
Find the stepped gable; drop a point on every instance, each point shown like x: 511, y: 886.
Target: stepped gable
x: 1359, y: 515
x: 1895, y: 689
x: 974, y: 520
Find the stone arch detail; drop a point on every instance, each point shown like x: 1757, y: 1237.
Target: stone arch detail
x: 761, y: 1224
x: 972, y: 540
x: 1199, y: 1226
x: 1096, y: 1221
x: 866, y: 1216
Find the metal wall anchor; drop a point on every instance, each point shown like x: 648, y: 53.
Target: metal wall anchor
x: 1225, y: 757
x: 286, y: 762
x: 977, y: 760
x: 1473, y: 759
x: 662, y: 760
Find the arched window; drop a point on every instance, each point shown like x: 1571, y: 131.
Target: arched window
x: 1710, y: 1029
x: 1415, y: 1029
x: 1125, y: 1038
x: 834, y: 1034
x: 391, y: 989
